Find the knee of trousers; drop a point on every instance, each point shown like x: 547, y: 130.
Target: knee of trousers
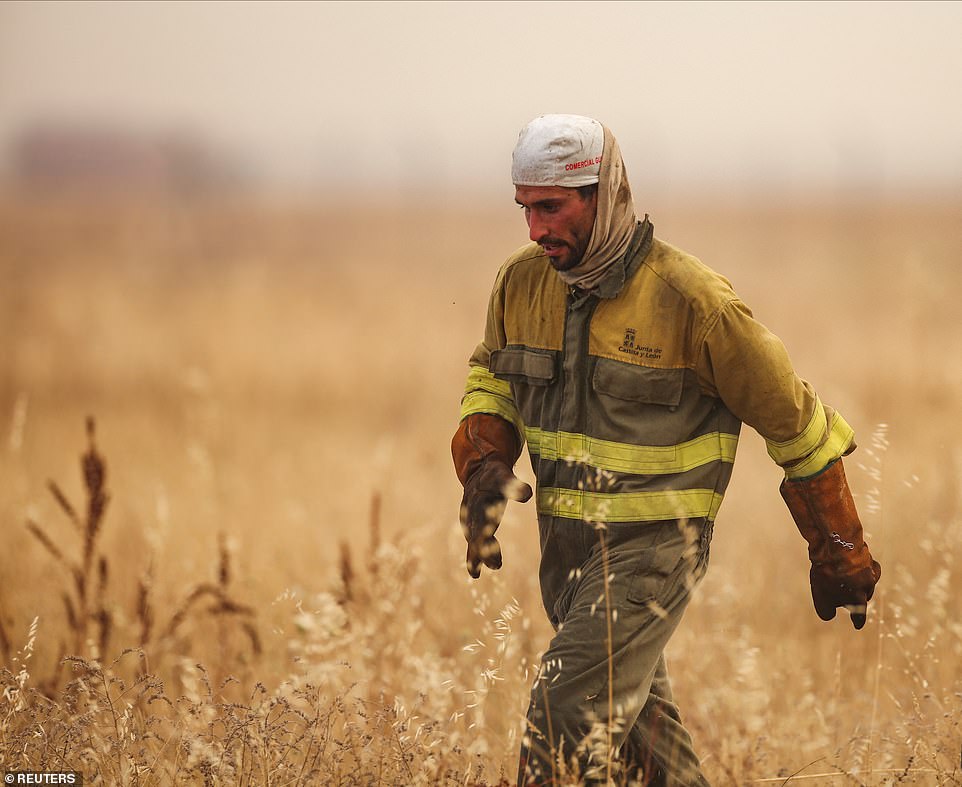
x: 561, y: 711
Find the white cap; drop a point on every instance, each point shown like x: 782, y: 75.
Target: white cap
x: 558, y: 150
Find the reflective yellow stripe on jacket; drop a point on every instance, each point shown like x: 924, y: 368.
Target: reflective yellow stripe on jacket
x: 485, y: 393
x: 635, y: 459
x: 628, y: 506
x: 837, y: 443
x: 818, y: 445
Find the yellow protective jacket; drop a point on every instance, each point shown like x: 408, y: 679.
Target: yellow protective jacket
x: 631, y: 398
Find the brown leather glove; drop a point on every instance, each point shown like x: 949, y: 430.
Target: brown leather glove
x: 843, y: 572
x: 485, y: 448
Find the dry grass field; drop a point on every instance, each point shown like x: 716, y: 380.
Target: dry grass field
x: 265, y: 586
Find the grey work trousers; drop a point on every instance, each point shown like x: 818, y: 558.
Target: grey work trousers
x: 652, y: 569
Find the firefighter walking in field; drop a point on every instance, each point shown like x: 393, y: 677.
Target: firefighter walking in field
x: 628, y: 367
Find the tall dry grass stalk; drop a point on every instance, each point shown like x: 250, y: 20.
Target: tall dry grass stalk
x: 84, y: 600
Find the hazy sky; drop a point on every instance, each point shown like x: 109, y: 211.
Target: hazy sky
x: 433, y: 94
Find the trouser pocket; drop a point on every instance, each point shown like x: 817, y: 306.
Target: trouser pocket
x: 677, y: 559
x: 563, y: 602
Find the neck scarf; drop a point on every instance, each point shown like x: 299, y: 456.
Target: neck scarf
x: 614, y: 222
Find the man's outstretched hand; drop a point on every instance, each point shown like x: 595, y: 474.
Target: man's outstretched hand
x: 486, y: 494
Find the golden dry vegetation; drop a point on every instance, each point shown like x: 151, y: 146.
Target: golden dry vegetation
x: 275, y: 592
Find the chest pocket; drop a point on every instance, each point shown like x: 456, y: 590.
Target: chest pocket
x: 630, y: 383
x: 532, y: 375
x: 523, y: 366
x: 638, y: 405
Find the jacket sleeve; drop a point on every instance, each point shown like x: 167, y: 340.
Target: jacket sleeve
x: 483, y: 392
x: 748, y: 367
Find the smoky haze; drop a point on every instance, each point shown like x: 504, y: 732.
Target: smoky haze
x: 401, y: 98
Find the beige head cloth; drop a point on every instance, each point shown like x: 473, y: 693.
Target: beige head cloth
x: 549, y: 152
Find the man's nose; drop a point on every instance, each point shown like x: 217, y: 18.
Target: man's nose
x: 537, y: 229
